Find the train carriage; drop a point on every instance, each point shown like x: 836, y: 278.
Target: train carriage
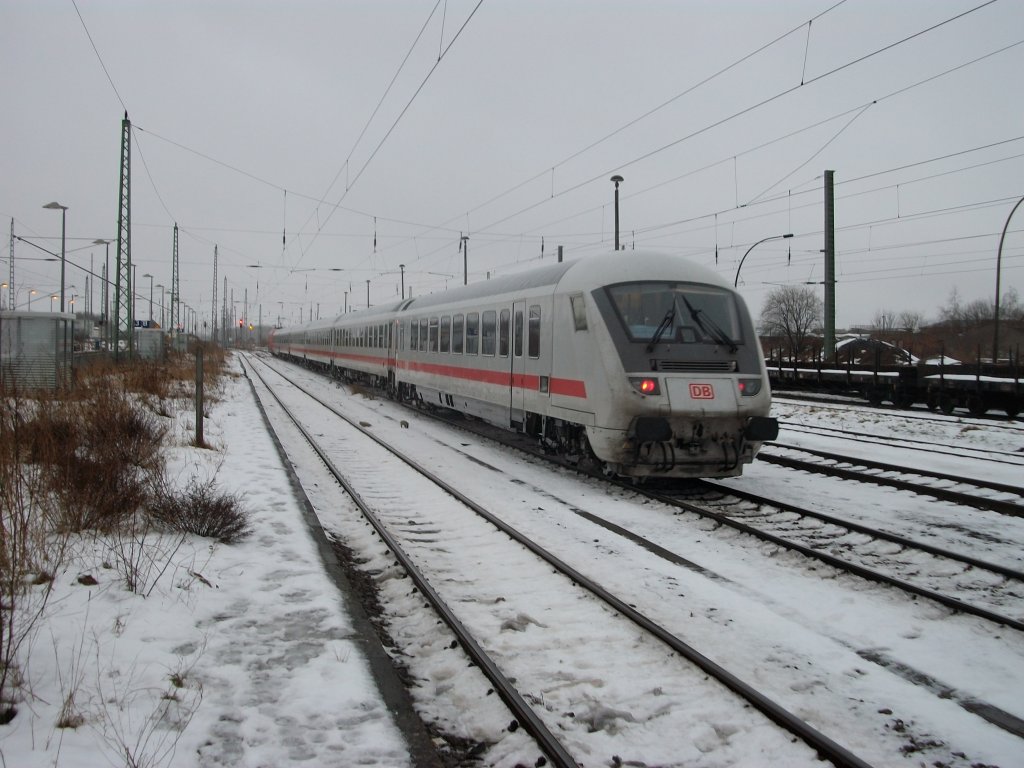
x: 642, y: 360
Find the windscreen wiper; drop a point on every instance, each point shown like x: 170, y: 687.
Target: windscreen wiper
x: 664, y: 325
x: 709, y: 326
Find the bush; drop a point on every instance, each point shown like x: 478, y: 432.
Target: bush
x: 202, y: 510
x: 99, y: 454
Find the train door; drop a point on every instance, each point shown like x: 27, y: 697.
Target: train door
x: 394, y: 339
x: 517, y: 361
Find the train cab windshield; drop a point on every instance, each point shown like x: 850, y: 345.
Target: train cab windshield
x: 686, y: 313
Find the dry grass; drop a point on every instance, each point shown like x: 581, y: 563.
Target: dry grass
x: 89, y: 460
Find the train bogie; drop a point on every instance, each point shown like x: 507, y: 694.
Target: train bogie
x: 641, y: 361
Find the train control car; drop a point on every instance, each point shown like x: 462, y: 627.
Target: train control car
x: 642, y: 361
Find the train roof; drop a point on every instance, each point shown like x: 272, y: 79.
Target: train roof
x: 583, y: 274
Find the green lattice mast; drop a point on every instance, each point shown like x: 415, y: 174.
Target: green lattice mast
x: 124, y: 321
x: 175, y: 298
x: 213, y: 306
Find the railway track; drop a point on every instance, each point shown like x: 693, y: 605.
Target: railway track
x: 996, y: 715
x: 971, y: 492
x: 357, y: 464
x: 1013, y: 458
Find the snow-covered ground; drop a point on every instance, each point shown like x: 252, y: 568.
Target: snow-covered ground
x: 274, y: 675
x: 259, y: 637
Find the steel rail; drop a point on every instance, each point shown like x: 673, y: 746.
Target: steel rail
x: 865, y: 437
x: 994, y: 505
x: 825, y: 746
x: 835, y: 562
x: 525, y: 714
x: 850, y: 525
x: 991, y: 485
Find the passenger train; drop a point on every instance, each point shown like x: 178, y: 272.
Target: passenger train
x: 643, y: 361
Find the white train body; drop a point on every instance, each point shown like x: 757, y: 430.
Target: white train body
x: 643, y: 360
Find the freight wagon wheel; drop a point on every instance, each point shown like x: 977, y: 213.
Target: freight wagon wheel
x: 976, y: 405
x: 946, y: 403
x: 1012, y: 410
x: 931, y: 400
x: 901, y: 398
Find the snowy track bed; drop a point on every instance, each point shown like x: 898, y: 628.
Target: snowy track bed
x: 555, y: 641
x: 885, y: 675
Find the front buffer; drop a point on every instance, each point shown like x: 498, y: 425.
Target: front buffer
x: 687, y: 427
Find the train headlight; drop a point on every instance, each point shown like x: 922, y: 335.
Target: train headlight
x: 645, y: 386
x: 749, y: 387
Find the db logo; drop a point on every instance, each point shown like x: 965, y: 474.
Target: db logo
x: 702, y: 392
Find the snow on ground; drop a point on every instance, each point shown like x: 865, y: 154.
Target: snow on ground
x: 245, y: 655
x: 272, y: 672
x: 763, y: 614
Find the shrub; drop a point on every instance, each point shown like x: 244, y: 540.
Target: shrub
x: 203, y: 510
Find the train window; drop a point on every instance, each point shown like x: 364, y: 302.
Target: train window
x: 488, y: 333
x: 519, y: 333
x: 533, y: 341
x: 414, y: 335
x: 503, y: 334
x: 472, y: 333
x: 579, y: 311
x: 457, y: 325
x: 424, y: 342
x: 446, y: 333
x: 433, y: 335
x: 679, y: 312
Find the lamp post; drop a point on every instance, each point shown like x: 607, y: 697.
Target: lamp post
x: 736, y: 282
x: 616, y: 179
x: 367, y: 294
x: 161, y: 287
x: 150, y: 297
x: 106, y: 283
x: 401, y: 268
x: 32, y: 293
x: 54, y: 206
x: 999, y: 264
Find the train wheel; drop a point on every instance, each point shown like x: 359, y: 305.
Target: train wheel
x: 875, y: 396
x: 946, y: 403
x: 932, y: 401
x: 902, y: 399
x: 1012, y: 410
x: 976, y: 405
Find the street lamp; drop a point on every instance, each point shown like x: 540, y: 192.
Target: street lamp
x: 402, y: 268
x: 161, y: 287
x: 616, y: 179
x: 31, y: 293
x: 367, y: 294
x: 999, y: 264
x: 150, y: 297
x: 736, y: 282
x: 106, y: 284
x: 54, y: 206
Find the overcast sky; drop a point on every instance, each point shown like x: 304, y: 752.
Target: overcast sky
x: 256, y: 128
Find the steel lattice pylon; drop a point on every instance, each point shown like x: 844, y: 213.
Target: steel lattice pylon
x: 175, y: 298
x: 123, y: 320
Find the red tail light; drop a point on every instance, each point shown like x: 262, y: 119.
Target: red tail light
x: 645, y: 386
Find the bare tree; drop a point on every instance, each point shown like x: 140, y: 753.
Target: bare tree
x: 793, y: 312
x: 910, y: 321
x: 885, y: 320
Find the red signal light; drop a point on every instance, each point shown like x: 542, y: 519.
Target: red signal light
x: 240, y: 323
x: 645, y: 386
